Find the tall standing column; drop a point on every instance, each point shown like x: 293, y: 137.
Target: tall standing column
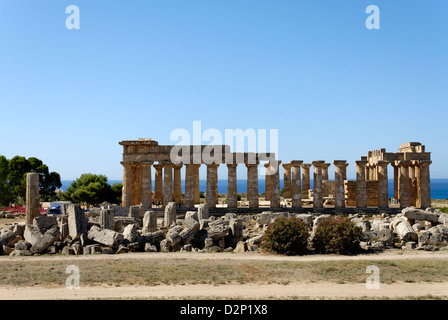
x: 177, y: 188
x: 32, y: 197
x: 412, y: 184
x: 232, y: 186
x: 126, y: 195
x: 252, y: 184
x: 136, y: 187
x: 306, y: 184
x: 268, y: 186
x: 325, y: 167
x: 211, y: 185
x: 158, y: 190
x: 296, y: 189
x: 286, y: 180
x: 339, y: 192
x: 275, y: 183
x: 197, y: 198
x: 146, y: 184
x: 318, y: 200
x: 418, y: 182
x: 383, y: 186
x: 403, y: 182
x: 425, y: 184
x: 167, y: 183
x: 361, y: 186
x: 189, y: 185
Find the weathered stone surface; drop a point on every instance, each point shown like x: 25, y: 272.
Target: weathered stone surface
x: 236, y: 228
x: 130, y: 232
x: 443, y: 219
x: 150, y: 247
x: 173, y: 235
x: 405, y: 231
x: 165, y: 245
x: 45, y: 222
x: 265, y: 218
x: 122, y: 249
x: 67, y: 251
x: 255, y: 240
x: 107, y: 219
x: 136, y: 211
x: 192, y: 214
x: 22, y: 245
x: 46, y: 240
x: 419, y: 214
x: 189, y: 232
x: 170, y: 214
x: 8, y: 238
x: 218, y: 229
x: 306, y: 217
x: 241, y: 246
x: 154, y: 237
x: 32, y: 234
x: 386, y: 236
x: 77, y: 221
x: 63, y: 227
x: 203, y: 212
x: 107, y: 237
x: 19, y: 228
x: 149, y: 222
x: 190, y: 222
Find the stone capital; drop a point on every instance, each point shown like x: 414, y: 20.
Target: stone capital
x: 318, y: 163
x: 361, y: 163
x: 146, y: 163
x: 306, y: 165
x: 286, y: 166
x: 248, y: 165
x: 382, y: 163
x: 232, y: 165
x: 158, y: 166
x: 177, y: 166
x: 340, y: 163
x: 296, y: 163
x: 425, y: 163
x: 403, y: 163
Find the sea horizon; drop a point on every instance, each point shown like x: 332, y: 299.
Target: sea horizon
x: 439, y: 187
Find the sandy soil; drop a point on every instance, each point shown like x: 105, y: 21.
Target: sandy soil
x: 246, y: 291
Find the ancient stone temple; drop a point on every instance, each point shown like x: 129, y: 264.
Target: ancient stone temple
x: 370, y: 188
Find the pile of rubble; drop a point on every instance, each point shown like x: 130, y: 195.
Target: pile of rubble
x: 102, y: 231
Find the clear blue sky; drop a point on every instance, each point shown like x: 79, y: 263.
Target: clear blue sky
x: 134, y: 69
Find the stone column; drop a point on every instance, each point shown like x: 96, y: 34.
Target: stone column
x: 167, y: 183
x: 232, y: 186
x: 287, y: 180
x: 146, y: 184
x: 418, y: 182
x: 32, y: 197
x: 252, y: 184
x: 339, y: 192
x: 197, y: 198
x: 136, y: 186
x: 268, y: 186
x: 158, y: 191
x: 189, y: 185
x: 318, y: 200
x: 296, y: 189
x: 216, y: 184
x: 425, y: 184
x: 177, y: 188
x: 395, y: 180
x: 306, y: 177
x: 211, y: 185
x: 412, y: 185
x: 361, y: 186
x: 126, y: 194
x: 275, y: 184
x: 325, y: 171
x: 383, y: 186
x: 403, y: 183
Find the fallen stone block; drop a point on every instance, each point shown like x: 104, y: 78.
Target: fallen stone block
x: 45, y: 222
x: 406, y: 232
x: 149, y: 222
x: 218, y: 229
x: 419, y: 214
x: 32, y: 234
x: 106, y: 237
x: 46, y: 240
x: 130, y: 232
x: 170, y: 214
x: 77, y: 221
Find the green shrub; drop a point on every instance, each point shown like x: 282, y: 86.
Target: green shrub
x: 337, y: 234
x: 287, y: 236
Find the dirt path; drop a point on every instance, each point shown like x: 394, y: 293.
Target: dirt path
x: 244, y: 291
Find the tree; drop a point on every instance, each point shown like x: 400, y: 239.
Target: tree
x: 19, y: 166
x: 90, y: 189
x: 5, y: 191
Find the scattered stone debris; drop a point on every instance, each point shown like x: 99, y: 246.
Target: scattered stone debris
x: 104, y: 232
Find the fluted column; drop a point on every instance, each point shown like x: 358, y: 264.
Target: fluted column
x: 383, y: 186
x: 403, y: 182
x: 286, y: 180
x: 412, y: 184
x: 126, y: 195
x: 232, y: 186
x: 146, y: 184
x: 395, y: 180
x: 325, y: 167
x: 296, y: 189
x: 252, y: 184
x: 167, y: 183
x: 425, y: 184
x: 197, y: 198
x: 306, y: 184
x: 189, y: 185
x: 275, y: 184
x: 339, y: 177
x: 177, y: 188
x: 268, y: 186
x: 158, y: 188
x: 211, y: 185
x: 318, y: 200
x: 361, y: 186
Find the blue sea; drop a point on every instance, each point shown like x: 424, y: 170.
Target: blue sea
x: 439, y: 187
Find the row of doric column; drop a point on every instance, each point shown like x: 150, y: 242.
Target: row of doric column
x: 411, y: 183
